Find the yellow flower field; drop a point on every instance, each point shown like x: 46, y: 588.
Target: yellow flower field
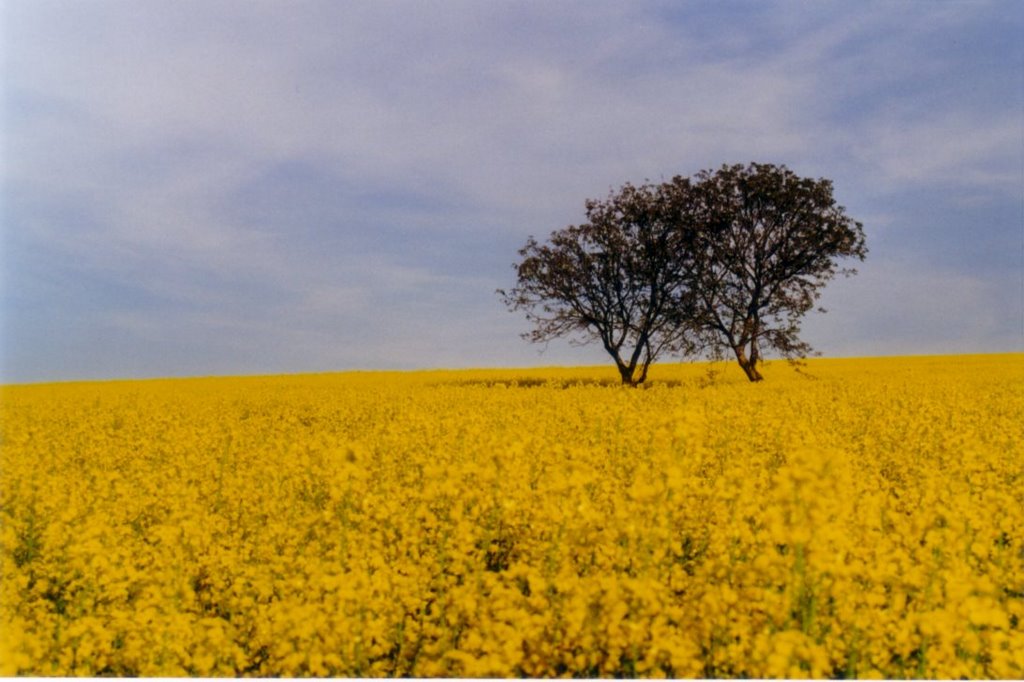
x: 863, y: 518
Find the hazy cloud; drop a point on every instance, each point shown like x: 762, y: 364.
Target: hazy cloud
x: 221, y: 187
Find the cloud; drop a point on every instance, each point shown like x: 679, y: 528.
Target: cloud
x: 269, y: 187
x: 902, y: 308
x: 981, y: 151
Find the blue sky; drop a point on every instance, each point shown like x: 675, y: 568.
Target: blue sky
x: 213, y: 187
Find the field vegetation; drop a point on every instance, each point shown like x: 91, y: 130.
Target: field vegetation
x: 861, y: 518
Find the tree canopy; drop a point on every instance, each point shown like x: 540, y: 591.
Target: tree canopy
x: 617, y: 279
x: 729, y: 260
x: 768, y: 243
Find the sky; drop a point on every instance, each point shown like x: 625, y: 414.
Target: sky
x: 214, y: 187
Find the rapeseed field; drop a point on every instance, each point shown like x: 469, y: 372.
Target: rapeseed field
x: 862, y: 518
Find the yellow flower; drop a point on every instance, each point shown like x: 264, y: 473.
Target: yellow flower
x: 503, y: 523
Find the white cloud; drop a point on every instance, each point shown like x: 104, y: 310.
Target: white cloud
x: 953, y: 148
x: 893, y: 308
x: 138, y: 137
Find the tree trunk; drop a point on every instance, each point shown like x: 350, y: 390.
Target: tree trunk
x: 751, y: 371
x: 749, y: 365
x: 626, y: 373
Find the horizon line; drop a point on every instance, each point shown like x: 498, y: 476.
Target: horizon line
x: 481, y: 368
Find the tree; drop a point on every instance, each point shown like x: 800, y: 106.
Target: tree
x: 768, y: 242
x: 618, y: 279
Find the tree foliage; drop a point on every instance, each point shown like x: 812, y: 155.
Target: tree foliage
x: 617, y: 279
x: 728, y: 261
x: 767, y: 244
